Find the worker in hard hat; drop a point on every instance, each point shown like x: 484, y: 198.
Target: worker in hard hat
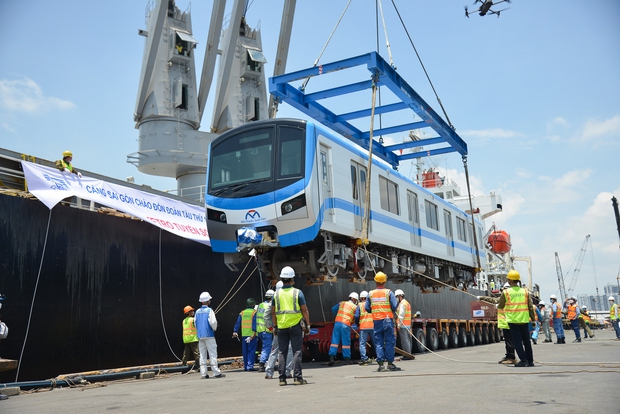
x: 64, y: 165
x: 509, y: 358
x: 517, y: 304
x: 403, y: 321
x: 190, y: 338
x: 584, y: 322
x: 289, y: 305
x: 573, y: 316
x: 535, y: 325
x: 270, y: 366
x: 382, y: 304
x: 366, y: 329
x: 264, y: 328
x: 544, y: 311
x: 614, y: 316
x: 556, y: 318
x: 206, y: 325
x: 246, y: 325
x: 347, y: 314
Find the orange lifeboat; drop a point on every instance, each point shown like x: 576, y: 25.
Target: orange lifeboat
x: 500, y: 242
x: 431, y: 179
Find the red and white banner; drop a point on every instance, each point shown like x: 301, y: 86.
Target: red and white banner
x: 51, y: 186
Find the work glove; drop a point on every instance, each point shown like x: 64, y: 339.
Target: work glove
x: 79, y: 174
x: 307, y: 329
x: 235, y: 335
x: 248, y: 339
x: 65, y: 170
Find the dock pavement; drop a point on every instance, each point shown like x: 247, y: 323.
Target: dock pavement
x: 572, y: 378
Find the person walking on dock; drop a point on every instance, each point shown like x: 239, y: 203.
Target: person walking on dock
x: 347, y: 314
x: 366, y: 328
x: 382, y: 304
x: 247, y: 323
x: 403, y: 321
x: 264, y: 328
x: 614, y: 316
x: 556, y: 318
x: 517, y: 304
x: 544, y: 311
x: 573, y: 316
x: 509, y: 358
x: 275, y: 346
x: 190, y: 338
x: 289, y: 307
x: 206, y: 325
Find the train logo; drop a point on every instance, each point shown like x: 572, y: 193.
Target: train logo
x: 251, y: 216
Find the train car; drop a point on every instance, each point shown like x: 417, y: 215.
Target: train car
x: 292, y: 193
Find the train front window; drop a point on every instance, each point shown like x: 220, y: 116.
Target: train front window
x: 291, y: 152
x: 242, y: 158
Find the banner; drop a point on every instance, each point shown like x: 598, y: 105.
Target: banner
x: 51, y: 186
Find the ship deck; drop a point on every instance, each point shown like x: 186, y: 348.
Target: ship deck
x: 573, y: 378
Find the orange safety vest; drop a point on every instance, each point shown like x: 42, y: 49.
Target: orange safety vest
x: 380, y: 304
x: 407, y: 317
x: 558, y: 311
x: 572, y: 312
x: 365, y: 318
x: 346, y: 312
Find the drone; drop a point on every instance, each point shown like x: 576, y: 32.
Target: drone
x: 485, y: 7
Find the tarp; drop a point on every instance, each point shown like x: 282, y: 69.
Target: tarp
x: 51, y: 186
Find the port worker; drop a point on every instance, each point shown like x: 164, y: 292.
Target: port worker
x: 573, y: 316
x: 347, y: 314
x: 275, y: 347
x: 614, y: 316
x: 206, y: 325
x: 382, y: 304
x: 289, y: 307
x: 403, y: 321
x: 366, y: 328
x: 544, y: 311
x: 535, y: 329
x: 584, y: 322
x: 264, y: 328
x: 179, y: 48
x: 64, y: 165
x: 556, y: 318
x: 246, y: 322
x: 517, y: 305
x: 509, y: 358
x: 190, y: 338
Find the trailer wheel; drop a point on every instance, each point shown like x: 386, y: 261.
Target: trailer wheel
x: 478, y: 334
x: 497, y: 336
x: 462, y: 337
x: 444, y: 339
x: 421, y: 340
x: 432, y: 339
x: 454, y: 338
x: 471, y: 338
x: 485, y: 334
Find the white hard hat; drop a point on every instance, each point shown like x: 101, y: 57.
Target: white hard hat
x: 363, y: 294
x: 506, y: 285
x: 399, y: 292
x: 354, y: 295
x: 287, y: 273
x: 542, y: 302
x: 553, y: 297
x: 584, y: 307
x: 611, y: 298
x: 279, y: 285
x: 204, y: 297
x: 269, y: 293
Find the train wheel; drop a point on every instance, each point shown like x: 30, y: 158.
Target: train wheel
x: 471, y: 338
x: 485, y: 334
x: 478, y: 334
x: 432, y: 339
x: 462, y: 337
x: 444, y: 339
x: 421, y: 340
x: 454, y: 338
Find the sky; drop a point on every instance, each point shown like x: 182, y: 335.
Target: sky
x: 534, y: 93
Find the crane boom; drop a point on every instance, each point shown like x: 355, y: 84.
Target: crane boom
x: 558, y: 269
x: 580, y: 256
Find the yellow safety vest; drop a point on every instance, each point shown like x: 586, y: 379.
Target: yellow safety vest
x: 516, y: 307
x: 612, y: 312
x: 246, y: 322
x: 189, y: 330
x: 501, y: 319
x: 407, y: 318
x: 287, y: 310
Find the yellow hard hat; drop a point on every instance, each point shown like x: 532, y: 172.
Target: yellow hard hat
x: 380, y: 277
x: 513, y: 275
x: 67, y: 154
x: 187, y: 309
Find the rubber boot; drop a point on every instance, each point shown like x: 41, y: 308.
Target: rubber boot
x: 261, y: 367
x: 331, y: 361
x: 347, y: 361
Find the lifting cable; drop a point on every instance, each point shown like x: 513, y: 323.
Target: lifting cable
x: 34, y: 295
x: 226, y: 297
x: 366, y: 222
x: 471, y: 209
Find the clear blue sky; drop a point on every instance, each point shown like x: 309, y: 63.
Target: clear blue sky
x: 534, y: 93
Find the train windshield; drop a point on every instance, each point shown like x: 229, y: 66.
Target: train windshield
x: 243, y: 164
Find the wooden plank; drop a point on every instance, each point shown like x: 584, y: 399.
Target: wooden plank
x: 7, y: 364
x: 403, y: 353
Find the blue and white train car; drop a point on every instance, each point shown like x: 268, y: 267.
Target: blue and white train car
x: 294, y: 193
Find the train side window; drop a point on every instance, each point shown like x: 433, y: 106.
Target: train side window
x: 460, y: 229
x: 354, y: 182
x: 388, y: 191
x: 432, y: 214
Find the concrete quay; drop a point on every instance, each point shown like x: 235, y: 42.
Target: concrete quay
x: 573, y: 378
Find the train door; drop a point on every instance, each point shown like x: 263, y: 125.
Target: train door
x: 326, y: 186
x: 414, y: 218
x: 447, y: 218
x: 358, y: 188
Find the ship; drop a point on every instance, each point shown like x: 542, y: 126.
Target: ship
x: 88, y: 287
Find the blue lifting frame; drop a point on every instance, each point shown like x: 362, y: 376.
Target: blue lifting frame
x: 384, y: 75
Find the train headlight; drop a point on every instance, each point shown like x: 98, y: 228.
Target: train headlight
x: 293, y: 204
x: 216, y: 215
x: 288, y: 207
x: 223, y: 217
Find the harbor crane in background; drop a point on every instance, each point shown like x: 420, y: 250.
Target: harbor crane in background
x: 558, y: 267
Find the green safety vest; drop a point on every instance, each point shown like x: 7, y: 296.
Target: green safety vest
x: 286, y: 303
x: 516, y: 308
x: 189, y: 330
x: 246, y: 322
x: 261, y: 323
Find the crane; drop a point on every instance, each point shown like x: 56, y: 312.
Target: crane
x: 580, y: 256
x: 558, y: 269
